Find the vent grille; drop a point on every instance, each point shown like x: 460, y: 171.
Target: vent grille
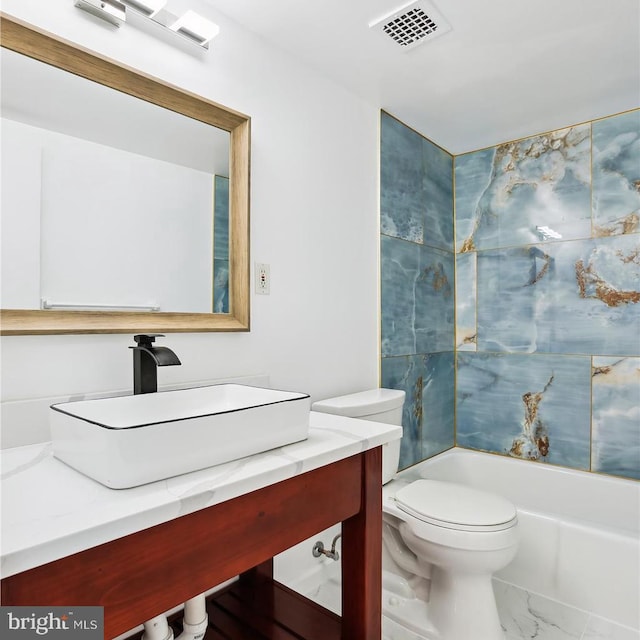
x: 409, y: 27
x: 412, y: 24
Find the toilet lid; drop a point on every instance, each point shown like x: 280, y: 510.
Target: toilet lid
x: 455, y: 506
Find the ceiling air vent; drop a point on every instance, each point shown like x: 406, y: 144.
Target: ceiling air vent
x: 412, y: 24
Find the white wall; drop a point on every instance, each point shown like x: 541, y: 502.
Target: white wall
x: 313, y: 219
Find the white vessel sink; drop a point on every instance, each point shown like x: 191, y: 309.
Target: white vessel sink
x: 127, y: 441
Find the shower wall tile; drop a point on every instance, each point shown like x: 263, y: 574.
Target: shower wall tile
x: 435, y: 301
x: 524, y: 192
x: 417, y: 286
x: 416, y: 187
x: 438, y: 225
x: 428, y: 414
x: 547, y: 282
x: 473, y: 173
x: 400, y: 264
x: 569, y: 297
x: 403, y: 181
x: 616, y: 174
x: 438, y: 403
x: 534, y: 407
x: 417, y: 298
x: 616, y: 416
x: 466, y: 290
x: 407, y: 373
x: 548, y: 274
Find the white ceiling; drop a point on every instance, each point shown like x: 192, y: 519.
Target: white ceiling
x: 508, y: 69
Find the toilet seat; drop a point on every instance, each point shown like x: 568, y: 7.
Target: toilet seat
x: 454, y: 506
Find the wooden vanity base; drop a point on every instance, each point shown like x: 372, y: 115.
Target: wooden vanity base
x: 273, y: 611
x: 143, y: 574
x: 268, y: 611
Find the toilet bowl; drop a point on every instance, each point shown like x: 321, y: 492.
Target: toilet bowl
x: 460, y: 537
x: 445, y: 538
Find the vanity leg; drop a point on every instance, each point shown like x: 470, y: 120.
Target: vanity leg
x: 263, y: 571
x: 362, y: 557
x: 256, y: 586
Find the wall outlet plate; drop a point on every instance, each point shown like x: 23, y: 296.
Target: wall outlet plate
x: 263, y: 278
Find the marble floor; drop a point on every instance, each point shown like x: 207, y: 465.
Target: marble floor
x: 527, y: 615
x: 524, y: 616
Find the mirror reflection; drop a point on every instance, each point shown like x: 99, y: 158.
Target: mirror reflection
x: 108, y: 202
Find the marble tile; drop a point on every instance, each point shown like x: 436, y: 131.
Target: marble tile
x: 435, y: 301
x: 403, y: 181
x: 566, y: 297
x: 329, y: 594
x: 531, y: 190
x: 399, y: 273
x: 528, y: 406
x: 417, y: 298
x: 616, y: 174
x: 416, y: 187
x: 466, y: 294
x: 616, y: 416
x: 438, y: 403
x: 525, y: 615
x: 438, y: 169
x: 601, y: 629
x: 392, y: 630
x: 407, y: 373
x: 473, y: 173
x: 221, y: 245
x: 428, y: 413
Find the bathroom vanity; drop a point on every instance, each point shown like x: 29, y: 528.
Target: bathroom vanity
x: 67, y: 540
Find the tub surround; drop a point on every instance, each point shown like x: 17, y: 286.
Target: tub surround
x: 547, y: 305
x: 527, y: 407
x: 50, y: 511
x: 417, y: 286
x: 548, y: 241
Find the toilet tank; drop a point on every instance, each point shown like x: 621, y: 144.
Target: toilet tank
x: 377, y: 405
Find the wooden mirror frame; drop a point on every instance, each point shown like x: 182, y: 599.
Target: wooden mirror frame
x: 40, y: 45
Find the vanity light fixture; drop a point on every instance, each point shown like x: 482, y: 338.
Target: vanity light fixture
x: 148, y: 7
x: 196, y: 27
x: 112, y: 11
x: 191, y: 26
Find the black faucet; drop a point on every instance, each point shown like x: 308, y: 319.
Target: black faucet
x: 147, y: 359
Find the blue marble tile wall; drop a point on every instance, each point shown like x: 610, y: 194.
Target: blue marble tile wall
x: 548, y: 297
x: 220, y: 244
x: 417, y: 286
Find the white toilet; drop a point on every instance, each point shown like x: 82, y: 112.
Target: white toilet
x: 446, y: 539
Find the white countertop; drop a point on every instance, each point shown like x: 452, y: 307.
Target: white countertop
x: 50, y: 511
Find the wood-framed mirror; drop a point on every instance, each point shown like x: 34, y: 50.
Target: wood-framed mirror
x: 91, y: 316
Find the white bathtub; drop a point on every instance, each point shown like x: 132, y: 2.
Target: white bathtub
x: 579, y: 531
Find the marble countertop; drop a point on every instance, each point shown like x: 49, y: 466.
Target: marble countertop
x: 50, y: 511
